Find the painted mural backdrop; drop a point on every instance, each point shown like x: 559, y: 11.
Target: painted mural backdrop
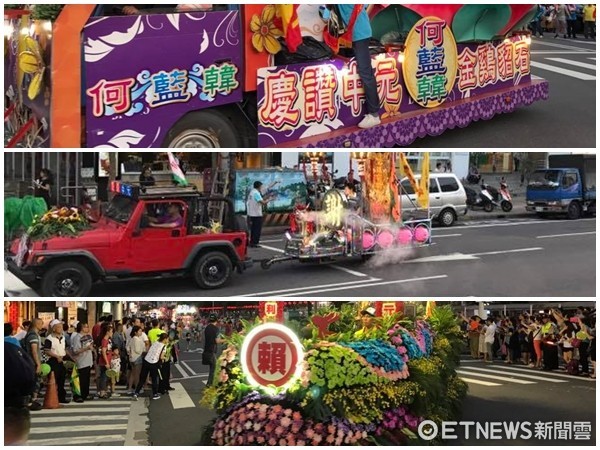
x: 285, y: 186
x: 145, y: 72
x: 299, y: 101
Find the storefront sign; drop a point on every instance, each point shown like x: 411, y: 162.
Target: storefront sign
x: 134, y: 98
x: 303, y: 100
x: 46, y: 318
x: 272, y: 357
x: 430, y: 62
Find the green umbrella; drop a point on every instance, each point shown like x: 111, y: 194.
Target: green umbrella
x: 393, y: 18
x: 480, y: 23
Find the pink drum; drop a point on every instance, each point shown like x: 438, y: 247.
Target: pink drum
x: 422, y: 234
x: 405, y: 236
x: 385, y: 238
x: 368, y: 239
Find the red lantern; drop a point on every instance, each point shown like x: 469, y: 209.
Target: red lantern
x: 271, y: 311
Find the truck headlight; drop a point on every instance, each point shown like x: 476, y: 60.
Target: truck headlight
x: 554, y: 203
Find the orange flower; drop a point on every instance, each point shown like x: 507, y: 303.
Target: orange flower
x: 265, y: 32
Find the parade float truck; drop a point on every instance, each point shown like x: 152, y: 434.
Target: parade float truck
x: 63, y: 253
x: 353, y: 375
x: 567, y: 186
x: 227, y: 78
x: 363, y: 223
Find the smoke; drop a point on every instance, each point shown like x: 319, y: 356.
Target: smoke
x: 390, y: 256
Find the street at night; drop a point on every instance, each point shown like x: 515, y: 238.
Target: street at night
x: 541, y: 401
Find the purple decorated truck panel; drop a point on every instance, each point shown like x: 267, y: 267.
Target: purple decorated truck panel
x: 144, y: 73
x: 305, y: 100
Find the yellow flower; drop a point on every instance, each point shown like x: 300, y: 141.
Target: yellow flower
x: 265, y: 32
x: 32, y: 63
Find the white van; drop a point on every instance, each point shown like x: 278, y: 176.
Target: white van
x: 447, y: 198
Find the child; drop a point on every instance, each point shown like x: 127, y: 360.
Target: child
x: 115, y: 367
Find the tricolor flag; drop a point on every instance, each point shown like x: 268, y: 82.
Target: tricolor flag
x: 178, y: 175
x: 291, y: 25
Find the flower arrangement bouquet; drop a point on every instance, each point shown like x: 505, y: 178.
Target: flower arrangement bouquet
x: 58, y: 222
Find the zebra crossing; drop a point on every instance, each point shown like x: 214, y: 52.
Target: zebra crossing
x: 500, y: 374
x: 564, y: 59
x: 96, y: 422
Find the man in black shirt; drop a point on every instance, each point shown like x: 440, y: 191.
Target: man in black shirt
x: 211, y: 340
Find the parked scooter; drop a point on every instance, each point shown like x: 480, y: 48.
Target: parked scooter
x: 489, y: 198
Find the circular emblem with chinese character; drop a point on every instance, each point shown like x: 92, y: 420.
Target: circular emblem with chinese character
x: 430, y: 62
x: 271, y: 356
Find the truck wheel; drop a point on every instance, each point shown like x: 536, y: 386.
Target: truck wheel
x: 574, y: 211
x: 67, y: 279
x: 203, y: 129
x: 213, y: 270
x: 447, y: 218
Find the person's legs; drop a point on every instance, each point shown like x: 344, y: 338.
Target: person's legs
x: 538, y: 353
x: 84, y: 382
x: 490, y: 351
x: 60, y: 374
x: 144, y: 371
x: 584, y: 355
x: 154, y: 376
x: 367, y: 75
x: 165, y: 372
x: 211, y: 370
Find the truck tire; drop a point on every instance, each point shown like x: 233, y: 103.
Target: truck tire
x: 574, y: 211
x: 213, y: 270
x: 446, y: 218
x: 203, y: 129
x: 66, y: 279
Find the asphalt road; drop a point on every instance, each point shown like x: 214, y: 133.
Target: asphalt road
x: 566, y: 120
x: 497, y: 393
x: 499, y: 258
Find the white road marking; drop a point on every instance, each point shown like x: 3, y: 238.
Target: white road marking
x: 480, y: 382
x: 180, y: 399
x: 559, y: 52
x: 137, y: 425
x: 77, y: 411
x: 494, y: 377
x: 559, y: 375
x: 192, y: 372
x: 567, y: 72
x: 367, y: 285
x: 273, y: 249
x: 514, y: 224
x: 564, y: 235
x: 69, y: 419
x: 79, y: 440
x: 573, y: 63
x: 271, y: 240
x: 437, y: 236
x: 529, y: 377
x: 269, y: 293
x: 202, y: 375
x: 183, y: 373
x: 568, y: 47
x: 501, y: 252
x: 594, y: 59
x: 80, y: 429
x: 442, y: 258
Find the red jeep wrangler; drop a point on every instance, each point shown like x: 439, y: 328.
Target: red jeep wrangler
x: 124, y: 244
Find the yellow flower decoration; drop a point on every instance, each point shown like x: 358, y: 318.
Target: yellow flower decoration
x: 265, y: 32
x: 32, y: 63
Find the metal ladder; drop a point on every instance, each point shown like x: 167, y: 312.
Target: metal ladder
x: 220, y: 188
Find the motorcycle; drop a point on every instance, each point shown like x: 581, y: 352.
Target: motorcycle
x: 489, y: 198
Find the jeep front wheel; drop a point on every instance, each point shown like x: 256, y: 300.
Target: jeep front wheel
x: 213, y: 270
x: 66, y: 280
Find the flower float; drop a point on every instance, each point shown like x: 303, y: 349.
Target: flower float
x: 58, y: 222
x: 356, y: 388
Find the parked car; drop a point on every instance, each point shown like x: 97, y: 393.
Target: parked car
x: 447, y: 198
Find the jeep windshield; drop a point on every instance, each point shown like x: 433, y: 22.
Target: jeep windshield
x: 544, y: 180
x: 120, y: 209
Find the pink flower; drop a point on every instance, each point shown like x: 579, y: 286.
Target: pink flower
x: 339, y: 441
x: 297, y: 416
x: 330, y: 439
x: 310, y: 433
x: 279, y: 431
x: 262, y: 415
x: 260, y: 440
x: 317, y: 439
x: 288, y: 412
x: 248, y: 425
x: 269, y: 428
x: 250, y: 438
x: 277, y: 408
x: 291, y: 440
x: 301, y: 443
x: 331, y: 429
x: 263, y: 408
x: 295, y: 429
x: 257, y: 426
x: 273, y: 416
x: 286, y: 422
x: 242, y: 417
x: 272, y: 441
x: 282, y: 442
